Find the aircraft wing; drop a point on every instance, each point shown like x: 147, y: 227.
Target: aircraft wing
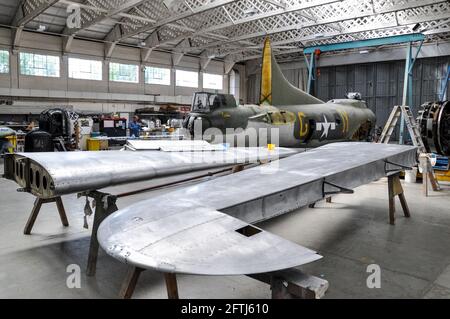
x: 190, y: 239
x: 53, y: 174
x: 198, y: 229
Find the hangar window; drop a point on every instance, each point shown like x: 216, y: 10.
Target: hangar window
x: 39, y: 65
x: 212, y: 81
x: 159, y: 76
x: 124, y: 72
x: 4, y: 62
x: 85, y: 69
x: 187, y: 78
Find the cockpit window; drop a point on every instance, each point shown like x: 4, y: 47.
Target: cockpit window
x: 205, y: 102
x: 201, y: 103
x: 216, y: 101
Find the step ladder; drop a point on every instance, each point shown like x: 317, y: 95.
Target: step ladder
x: 416, y: 138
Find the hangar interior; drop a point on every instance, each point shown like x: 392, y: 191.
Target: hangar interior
x: 99, y: 106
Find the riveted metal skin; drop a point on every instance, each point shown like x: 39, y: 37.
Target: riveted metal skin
x: 48, y: 175
x: 199, y: 229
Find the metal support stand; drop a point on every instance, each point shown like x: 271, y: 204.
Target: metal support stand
x: 395, y: 189
x: 171, y: 285
x: 336, y: 190
x: 130, y: 283
x: 37, y: 207
x: 105, y: 204
x: 285, y: 284
x: 293, y: 284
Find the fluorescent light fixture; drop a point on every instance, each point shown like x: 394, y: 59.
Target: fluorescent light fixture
x: 250, y: 12
x: 363, y: 51
x: 41, y: 28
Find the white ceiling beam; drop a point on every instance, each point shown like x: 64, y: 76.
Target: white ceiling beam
x: 29, y: 10
x: 277, y: 3
x: 151, y: 42
x: 325, y: 36
x: 26, y: 12
x: 17, y: 36
x: 205, y: 59
x: 255, y: 17
x: 67, y: 44
x: 106, y: 13
x: 269, y: 14
x: 228, y: 64
x: 178, y: 52
x: 116, y: 37
x: 109, y: 49
x: 335, y: 19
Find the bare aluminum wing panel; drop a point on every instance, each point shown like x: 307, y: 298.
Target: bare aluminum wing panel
x: 53, y: 174
x: 168, y: 145
x: 252, y: 195
x: 199, y: 240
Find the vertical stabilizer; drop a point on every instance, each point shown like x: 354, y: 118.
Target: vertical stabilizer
x: 275, y: 88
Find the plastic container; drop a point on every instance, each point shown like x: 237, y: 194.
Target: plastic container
x: 411, y: 175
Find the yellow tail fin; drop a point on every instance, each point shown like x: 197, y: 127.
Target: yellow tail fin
x: 275, y: 88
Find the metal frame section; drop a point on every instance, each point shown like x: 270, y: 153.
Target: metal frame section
x: 235, y: 29
x: 366, y: 43
x: 26, y: 12
x: 338, y: 22
x: 444, y: 85
x: 192, y: 238
x: 29, y: 10
x: 407, y: 84
x: 164, y: 16
x: 392, y: 40
x: 47, y: 175
x: 96, y: 11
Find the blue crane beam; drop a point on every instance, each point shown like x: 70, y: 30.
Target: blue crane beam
x: 397, y: 39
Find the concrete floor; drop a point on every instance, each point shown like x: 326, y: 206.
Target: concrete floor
x: 351, y: 233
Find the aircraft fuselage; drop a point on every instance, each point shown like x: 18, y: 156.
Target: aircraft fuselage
x: 307, y: 125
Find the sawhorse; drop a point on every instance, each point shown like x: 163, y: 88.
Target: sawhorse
x: 105, y: 205
x: 37, y: 207
x: 395, y: 189
x: 285, y: 284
